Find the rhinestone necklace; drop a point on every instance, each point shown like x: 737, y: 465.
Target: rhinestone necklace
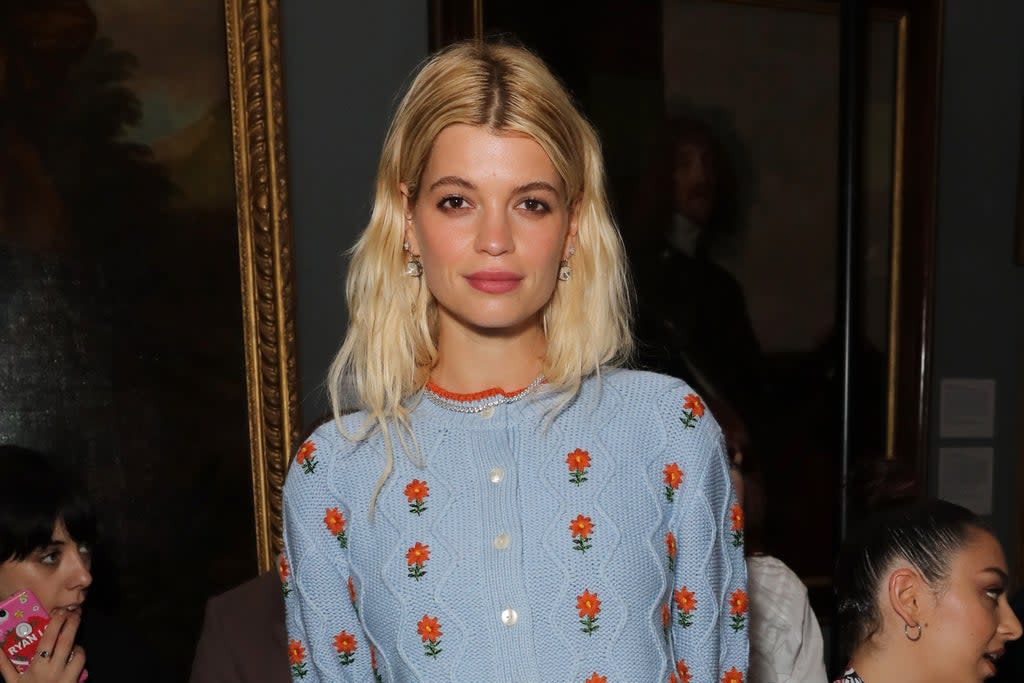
x: 501, y: 399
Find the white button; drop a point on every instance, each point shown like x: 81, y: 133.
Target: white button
x: 487, y: 413
x: 501, y: 541
x: 509, y: 617
x: 496, y: 475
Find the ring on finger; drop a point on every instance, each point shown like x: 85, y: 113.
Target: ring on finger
x: 71, y: 656
x: 44, y: 654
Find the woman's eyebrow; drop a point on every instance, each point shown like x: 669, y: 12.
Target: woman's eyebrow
x: 997, y: 571
x: 535, y: 186
x: 452, y: 180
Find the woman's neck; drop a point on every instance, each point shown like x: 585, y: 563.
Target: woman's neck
x: 471, y: 360
x: 886, y: 662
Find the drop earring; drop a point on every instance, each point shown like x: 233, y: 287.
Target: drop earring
x: 564, y: 269
x: 413, y: 267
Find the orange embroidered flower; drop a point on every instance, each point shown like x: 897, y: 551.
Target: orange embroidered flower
x: 738, y: 608
x: 693, y: 404
x: 737, y: 517
x: 686, y: 603
x: 282, y: 568
x: 428, y: 628
x: 283, y: 571
x: 673, y: 478
x: 296, y: 652
x: 351, y: 591
x: 305, y: 450
x: 693, y: 410
x: 673, y: 475
x: 589, y: 605
x: 373, y: 658
x: 297, y: 659
x: 685, y: 600
x: 666, y: 615
x: 737, y: 525
x: 334, y: 520
x: 738, y: 602
x: 305, y: 458
x: 732, y: 676
x: 417, y: 554
x: 416, y: 557
x: 430, y: 633
x: 416, y: 491
x: 670, y: 547
x: 595, y: 678
x: 683, y: 672
x: 578, y: 461
x: 581, y: 526
x: 345, y: 644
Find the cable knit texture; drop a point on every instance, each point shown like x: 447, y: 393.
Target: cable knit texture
x: 604, y: 545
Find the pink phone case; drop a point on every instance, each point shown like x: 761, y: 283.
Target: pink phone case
x: 22, y: 622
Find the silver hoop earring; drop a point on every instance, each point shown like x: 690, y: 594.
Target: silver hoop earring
x: 413, y: 267
x: 564, y: 271
x: 906, y: 632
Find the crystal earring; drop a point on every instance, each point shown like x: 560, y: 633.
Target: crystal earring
x: 564, y: 270
x: 413, y: 267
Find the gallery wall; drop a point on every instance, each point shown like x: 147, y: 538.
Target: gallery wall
x: 979, y: 296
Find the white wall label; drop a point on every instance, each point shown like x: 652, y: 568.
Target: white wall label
x: 967, y: 409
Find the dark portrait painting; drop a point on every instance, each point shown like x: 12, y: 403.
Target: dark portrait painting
x: 120, y: 318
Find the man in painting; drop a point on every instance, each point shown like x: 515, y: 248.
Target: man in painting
x: 692, y: 315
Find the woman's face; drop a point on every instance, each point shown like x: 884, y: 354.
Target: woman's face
x: 971, y: 620
x: 58, y: 573
x: 491, y: 224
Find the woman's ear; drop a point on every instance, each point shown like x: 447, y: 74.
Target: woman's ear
x: 907, y: 591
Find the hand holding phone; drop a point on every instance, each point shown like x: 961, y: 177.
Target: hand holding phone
x: 36, y: 647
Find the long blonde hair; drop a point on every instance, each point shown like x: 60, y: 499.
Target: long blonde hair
x: 391, y: 343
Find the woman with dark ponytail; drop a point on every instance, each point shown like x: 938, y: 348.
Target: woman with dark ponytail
x: 921, y: 593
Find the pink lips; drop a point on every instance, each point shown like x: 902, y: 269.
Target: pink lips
x: 494, y: 281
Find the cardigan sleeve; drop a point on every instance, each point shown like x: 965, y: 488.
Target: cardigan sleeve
x: 708, y: 604
x: 326, y: 641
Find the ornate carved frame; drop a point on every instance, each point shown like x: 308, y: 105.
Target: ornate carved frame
x: 265, y: 255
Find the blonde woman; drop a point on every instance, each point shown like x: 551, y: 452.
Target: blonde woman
x: 506, y: 505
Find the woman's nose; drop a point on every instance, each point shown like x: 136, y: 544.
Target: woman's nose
x: 1011, y: 624
x: 81, y: 576
x: 494, y: 234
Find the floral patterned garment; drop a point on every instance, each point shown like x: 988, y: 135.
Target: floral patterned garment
x: 603, y: 546
x: 849, y: 677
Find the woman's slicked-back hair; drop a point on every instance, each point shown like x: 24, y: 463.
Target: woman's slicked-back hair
x: 34, y: 496
x: 926, y: 534
x: 391, y: 341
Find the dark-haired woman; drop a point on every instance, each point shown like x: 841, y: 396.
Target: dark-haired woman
x: 47, y: 528
x: 922, y: 597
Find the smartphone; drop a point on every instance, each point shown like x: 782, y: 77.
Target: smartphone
x: 22, y: 622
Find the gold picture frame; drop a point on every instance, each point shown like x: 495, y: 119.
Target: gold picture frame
x: 265, y: 257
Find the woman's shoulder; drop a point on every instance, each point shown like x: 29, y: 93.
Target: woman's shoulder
x: 642, y: 386
x: 334, y: 441
x: 650, y: 392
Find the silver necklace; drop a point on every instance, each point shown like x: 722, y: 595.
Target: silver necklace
x: 500, y: 399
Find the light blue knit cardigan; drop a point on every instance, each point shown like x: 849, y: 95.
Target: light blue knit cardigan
x: 605, y: 546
